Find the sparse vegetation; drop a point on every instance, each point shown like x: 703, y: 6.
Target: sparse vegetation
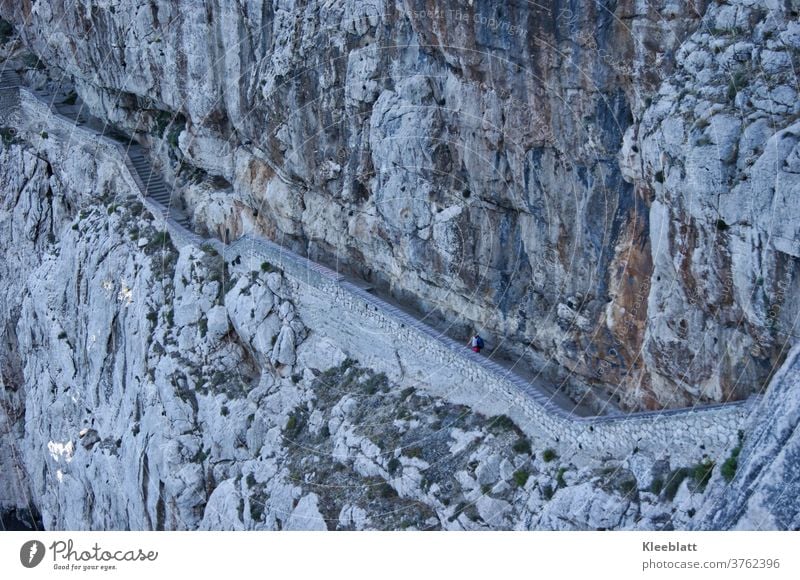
x: 71, y: 98
x: 627, y: 486
x: 729, y: 466
x: 32, y: 61
x: 656, y: 485
x: 393, y: 465
x: 503, y: 423
x: 522, y: 445
x: 521, y: 477
x: 160, y: 240
x: 560, y: 477
x: 6, y: 31
x: 267, y: 267
x: 701, y: 474
x: 702, y: 123
x: 413, y: 452
x: 294, y: 424
x: 549, y: 455
x: 209, y: 249
x: 737, y: 82
x: 8, y: 135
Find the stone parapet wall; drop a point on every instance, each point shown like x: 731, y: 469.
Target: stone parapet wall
x: 390, y: 340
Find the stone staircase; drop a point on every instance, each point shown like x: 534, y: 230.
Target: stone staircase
x: 158, y: 191
x: 9, y: 79
x: 154, y: 186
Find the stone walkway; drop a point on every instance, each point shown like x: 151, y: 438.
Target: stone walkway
x: 158, y: 192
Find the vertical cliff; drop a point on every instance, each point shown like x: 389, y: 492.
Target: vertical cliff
x: 202, y: 388
x: 470, y: 159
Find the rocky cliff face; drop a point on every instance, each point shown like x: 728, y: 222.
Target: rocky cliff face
x: 763, y: 495
x: 151, y: 387
x: 614, y: 187
x: 609, y: 187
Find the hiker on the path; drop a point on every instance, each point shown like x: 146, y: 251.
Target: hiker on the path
x: 475, y: 343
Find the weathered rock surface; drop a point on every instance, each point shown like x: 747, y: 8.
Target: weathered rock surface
x: 763, y: 494
x: 612, y: 185
x: 491, y: 182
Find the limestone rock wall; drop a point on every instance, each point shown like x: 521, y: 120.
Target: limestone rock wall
x: 589, y: 184
x: 149, y: 386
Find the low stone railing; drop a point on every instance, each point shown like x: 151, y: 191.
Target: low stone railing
x: 390, y: 340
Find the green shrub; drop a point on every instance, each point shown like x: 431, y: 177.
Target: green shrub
x: 158, y: 241
x: 560, y: 477
x: 393, y: 465
x: 44, y: 135
x: 6, y: 31
x: 71, y: 98
x: 387, y: 491
x: 547, y: 491
x: 412, y: 452
x: 549, y: 455
x: 8, y: 134
x: 209, y: 249
x: 656, y: 486
x: 267, y: 267
x: 32, y: 61
x: 701, y: 473
x: 728, y: 469
x: 521, y: 477
x: 628, y: 485
x: 503, y: 423
x: 522, y: 445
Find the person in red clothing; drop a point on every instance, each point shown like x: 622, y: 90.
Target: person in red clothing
x: 475, y: 343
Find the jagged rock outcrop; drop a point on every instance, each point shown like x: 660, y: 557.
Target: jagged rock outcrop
x: 513, y: 178
x: 165, y: 388
x: 470, y: 158
x: 763, y: 493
